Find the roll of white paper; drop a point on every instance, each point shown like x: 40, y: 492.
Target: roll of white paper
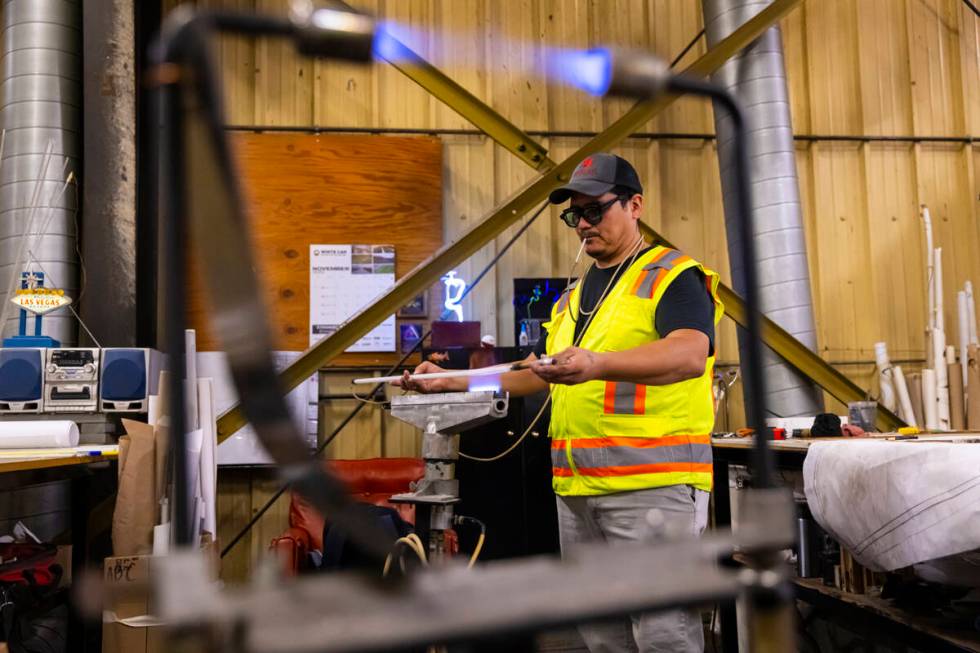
x: 38, y: 434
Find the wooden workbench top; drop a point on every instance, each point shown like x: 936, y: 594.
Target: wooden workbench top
x: 8, y: 465
x: 797, y: 444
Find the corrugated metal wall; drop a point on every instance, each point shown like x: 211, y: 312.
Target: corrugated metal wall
x: 874, y: 67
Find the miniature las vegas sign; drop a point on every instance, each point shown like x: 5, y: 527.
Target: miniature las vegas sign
x: 39, y: 300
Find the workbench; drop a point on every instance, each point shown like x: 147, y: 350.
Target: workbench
x: 93, y: 482
x: 861, y: 613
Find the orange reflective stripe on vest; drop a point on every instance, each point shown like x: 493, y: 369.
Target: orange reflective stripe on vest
x: 618, y: 456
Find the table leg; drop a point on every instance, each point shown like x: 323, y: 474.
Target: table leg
x: 723, y: 519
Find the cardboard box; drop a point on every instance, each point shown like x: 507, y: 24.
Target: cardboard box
x: 126, y: 624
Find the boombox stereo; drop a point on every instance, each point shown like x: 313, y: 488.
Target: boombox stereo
x: 21, y: 380
x: 71, y: 380
x: 129, y: 377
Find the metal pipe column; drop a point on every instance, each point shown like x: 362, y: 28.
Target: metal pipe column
x: 40, y: 104
x: 757, y: 77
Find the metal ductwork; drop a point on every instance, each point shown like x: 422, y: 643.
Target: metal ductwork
x: 40, y: 113
x: 757, y: 77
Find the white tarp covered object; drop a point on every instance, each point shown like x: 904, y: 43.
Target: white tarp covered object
x: 895, y: 504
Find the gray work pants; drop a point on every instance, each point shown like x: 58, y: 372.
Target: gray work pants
x: 626, y: 517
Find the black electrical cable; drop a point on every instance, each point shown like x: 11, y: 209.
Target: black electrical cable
x: 688, y: 47
x: 268, y: 504
x: 972, y: 7
x: 763, y: 466
x: 473, y: 520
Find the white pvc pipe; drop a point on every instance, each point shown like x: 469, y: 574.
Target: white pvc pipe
x: 971, y: 312
x: 927, y: 225
x: 942, y: 382
x: 930, y: 288
x: 456, y: 374
x: 929, y: 404
x: 963, y: 327
x: 939, y: 320
x: 939, y: 342
x: 885, y: 383
x: 904, y: 401
x: 190, y: 380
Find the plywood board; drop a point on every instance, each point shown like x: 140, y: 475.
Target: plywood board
x: 305, y: 189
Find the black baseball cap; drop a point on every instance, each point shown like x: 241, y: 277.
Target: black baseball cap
x: 599, y: 174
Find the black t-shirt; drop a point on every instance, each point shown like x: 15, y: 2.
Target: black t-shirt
x: 685, y: 304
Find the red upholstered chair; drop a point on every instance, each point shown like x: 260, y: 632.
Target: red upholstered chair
x: 373, y: 480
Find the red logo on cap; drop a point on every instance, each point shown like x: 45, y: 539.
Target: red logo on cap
x: 587, y: 163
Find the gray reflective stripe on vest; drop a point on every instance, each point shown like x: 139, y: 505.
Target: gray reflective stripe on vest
x: 566, y: 296
x: 625, y: 395
x: 666, y: 261
x: 591, y: 457
x: 559, y: 458
x: 646, y: 288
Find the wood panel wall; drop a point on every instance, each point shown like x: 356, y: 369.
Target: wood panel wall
x: 876, y: 68
x: 306, y: 189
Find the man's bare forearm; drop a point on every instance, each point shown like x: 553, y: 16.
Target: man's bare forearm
x: 662, y: 362
x: 518, y: 384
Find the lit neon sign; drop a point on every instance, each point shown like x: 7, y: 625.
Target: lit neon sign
x: 455, y: 287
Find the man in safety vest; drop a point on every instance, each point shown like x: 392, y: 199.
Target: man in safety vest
x: 632, y: 345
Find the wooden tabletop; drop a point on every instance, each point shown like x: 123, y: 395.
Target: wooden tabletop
x: 8, y: 465
x: 797, y: 444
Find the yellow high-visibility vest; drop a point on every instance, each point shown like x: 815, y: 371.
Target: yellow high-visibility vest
x: 610, y: 436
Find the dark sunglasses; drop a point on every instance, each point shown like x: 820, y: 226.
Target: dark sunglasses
x: 591, y: 212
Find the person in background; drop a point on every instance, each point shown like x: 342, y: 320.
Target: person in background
x: 486, y: 355
x: 632, y: 344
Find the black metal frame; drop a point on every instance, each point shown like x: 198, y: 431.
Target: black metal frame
x: 193, y: 138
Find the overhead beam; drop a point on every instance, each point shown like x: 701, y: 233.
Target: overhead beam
x: 426, y: 273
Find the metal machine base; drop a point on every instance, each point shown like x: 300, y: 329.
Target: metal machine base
x: 442, y: 417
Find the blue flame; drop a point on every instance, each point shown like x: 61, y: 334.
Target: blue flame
x: 589, y: 70
x: 385, y: 47
x: 484, y: 383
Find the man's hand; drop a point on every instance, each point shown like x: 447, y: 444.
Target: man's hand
x: 425, y: 386
x: 571, y: 366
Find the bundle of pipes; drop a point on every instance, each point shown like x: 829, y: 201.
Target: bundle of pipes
x: 946, y: 394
